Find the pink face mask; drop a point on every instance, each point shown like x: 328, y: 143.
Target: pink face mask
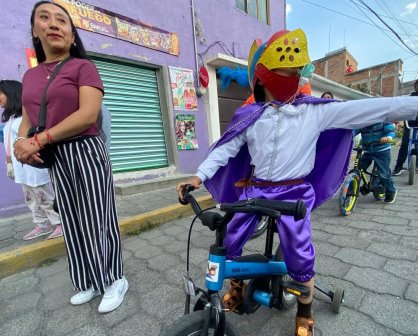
x: 283, y: 88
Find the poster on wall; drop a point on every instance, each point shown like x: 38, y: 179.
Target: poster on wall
x: 186, y: 131
x: 102, y: 21
x: 182, y: 86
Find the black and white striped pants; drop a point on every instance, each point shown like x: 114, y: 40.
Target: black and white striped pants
x: 83, y: 182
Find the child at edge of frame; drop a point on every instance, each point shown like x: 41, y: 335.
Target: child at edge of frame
x: 376, y: 143
x: 297, y: 146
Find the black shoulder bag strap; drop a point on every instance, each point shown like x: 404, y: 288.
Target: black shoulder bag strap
x: 42, y: 113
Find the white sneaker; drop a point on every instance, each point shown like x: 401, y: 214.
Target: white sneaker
x: 84, y: 296
x: 114, y: 295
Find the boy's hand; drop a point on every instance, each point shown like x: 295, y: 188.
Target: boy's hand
x: 194, y: 181
x: 386, y: 139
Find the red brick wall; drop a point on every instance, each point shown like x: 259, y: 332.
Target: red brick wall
x: 380, y: 80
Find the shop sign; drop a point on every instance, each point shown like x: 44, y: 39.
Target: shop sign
x: 107, y: 23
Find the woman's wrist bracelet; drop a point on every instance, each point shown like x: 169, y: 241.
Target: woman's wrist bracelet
x: 37, y: 141
x: 48, y: 136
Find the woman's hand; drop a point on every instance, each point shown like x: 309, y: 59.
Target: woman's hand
x: 194, y: 181
x: 26, y: 151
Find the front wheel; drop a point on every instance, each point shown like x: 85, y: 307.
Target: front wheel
x: 412, y: 167
x: 191, y: 324
x: 261, y: 227
x: 349, y: 193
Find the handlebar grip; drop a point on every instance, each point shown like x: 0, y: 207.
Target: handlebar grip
x: 186, y: 199
x: 296, y: 209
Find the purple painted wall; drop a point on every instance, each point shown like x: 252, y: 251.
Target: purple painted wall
x: 220, y: 21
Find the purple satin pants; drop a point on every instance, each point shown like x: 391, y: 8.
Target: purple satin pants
x: 295, y: 236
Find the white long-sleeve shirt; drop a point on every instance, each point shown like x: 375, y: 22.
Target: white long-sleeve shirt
x: 282, y: 141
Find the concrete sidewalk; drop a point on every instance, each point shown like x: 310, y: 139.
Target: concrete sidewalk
x: 137, y: 213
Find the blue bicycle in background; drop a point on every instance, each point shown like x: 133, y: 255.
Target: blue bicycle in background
x: 412, y: 150
x: 269, y: 286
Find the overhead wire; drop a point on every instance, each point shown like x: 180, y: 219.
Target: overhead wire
x: 390, y: 28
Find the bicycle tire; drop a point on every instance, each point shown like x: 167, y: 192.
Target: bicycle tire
x: 349, y: 193
x: 412, y: 167
x: 287, y: 300
x: 190, y: 325
x: 261, y: 228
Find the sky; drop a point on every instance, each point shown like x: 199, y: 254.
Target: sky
x: 331, y: 25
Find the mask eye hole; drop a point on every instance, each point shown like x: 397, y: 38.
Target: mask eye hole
x: 288, y: 49
x: 279, y: 49
x: 291, y: 58
x: 282, y: 58
x: 296, y: 50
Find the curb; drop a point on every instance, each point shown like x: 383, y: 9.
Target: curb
x: 37, y: 253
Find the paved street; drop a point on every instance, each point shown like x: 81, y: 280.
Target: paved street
x: 372, y: 254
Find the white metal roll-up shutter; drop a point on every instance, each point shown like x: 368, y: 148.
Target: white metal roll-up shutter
x: 131, y: 95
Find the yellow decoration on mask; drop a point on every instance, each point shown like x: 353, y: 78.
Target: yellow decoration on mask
x: 288, y: 51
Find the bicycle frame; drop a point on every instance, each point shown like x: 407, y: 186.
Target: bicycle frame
x: 220, y: 269
x: 364, y: 173
x: 266, y: 271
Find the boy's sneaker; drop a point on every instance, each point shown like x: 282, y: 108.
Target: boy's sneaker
x: 38, y: 232
x: 84, y: 296
x: 397, y: 171
x: 113, y: 296
x: 390, y: 197
x: 57, y: 232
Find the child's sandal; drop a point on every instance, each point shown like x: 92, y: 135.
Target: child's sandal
x: 234, y: 296
x: 304, y: 326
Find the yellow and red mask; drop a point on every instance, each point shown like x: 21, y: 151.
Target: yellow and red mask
x: 285, y: 49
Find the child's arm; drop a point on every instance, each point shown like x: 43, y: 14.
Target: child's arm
x: 364, y: 112
x: 389, y: 131
x: 219, y: 157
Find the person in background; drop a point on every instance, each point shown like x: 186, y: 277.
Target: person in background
x: 403, y: 150
x: 81, y: 173
x: 298, y: 146
x: 327, y: 95
x: 35, y: 182
x: 375, y: 142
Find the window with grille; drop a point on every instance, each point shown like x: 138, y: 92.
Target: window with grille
x: 257, y: 8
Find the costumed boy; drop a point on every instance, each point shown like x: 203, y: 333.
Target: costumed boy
x: 297, y: 147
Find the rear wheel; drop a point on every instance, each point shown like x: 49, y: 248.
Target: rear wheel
x: 191, y: 324
x: 412, y: 167
x: 348, y: 193
x: 285, y: 299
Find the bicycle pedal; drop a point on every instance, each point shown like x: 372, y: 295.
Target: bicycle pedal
x: 296, y: 288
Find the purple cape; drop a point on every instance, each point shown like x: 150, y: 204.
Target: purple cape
x: 333, y: 150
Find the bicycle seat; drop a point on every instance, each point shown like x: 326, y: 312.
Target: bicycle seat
x: 253, y: 258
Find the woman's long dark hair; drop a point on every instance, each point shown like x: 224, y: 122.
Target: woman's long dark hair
x: 13, y: 91
x: 77, y: 50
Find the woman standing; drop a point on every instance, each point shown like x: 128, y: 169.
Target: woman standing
x: 35, y: 182
x: 81, y: 173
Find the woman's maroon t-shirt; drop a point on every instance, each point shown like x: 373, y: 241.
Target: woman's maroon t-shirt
x: 62, y: 98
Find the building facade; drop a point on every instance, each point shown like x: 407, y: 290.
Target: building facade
x: 378, y: 80
x: 149, y: 54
